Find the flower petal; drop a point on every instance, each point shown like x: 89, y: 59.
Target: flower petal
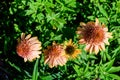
x: 28, y: 36
x: 32, y: 39
x: 97, y: 22
x: 105, y: 29
x: 25, y: 59
x: 82, y: 24
x: 102, y: 46
x: 82, y: 41
x: 106, y: 41
x: 35, y: 47
x: 91, y: 49
x: 22, y: 36
x: 87, y: 48
x: 96, y: 49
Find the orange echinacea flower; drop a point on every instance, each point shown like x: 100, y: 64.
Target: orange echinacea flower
x: 54, y: 55
x: 94, y: 35
x: 28, y: 47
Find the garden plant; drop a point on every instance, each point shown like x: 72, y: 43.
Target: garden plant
x: 60, y: 40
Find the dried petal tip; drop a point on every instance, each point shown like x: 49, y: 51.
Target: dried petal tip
x: 54, y: 55
x: 28, y: 47
x: 94, y: 35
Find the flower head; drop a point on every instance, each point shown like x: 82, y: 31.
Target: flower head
x: 28, y: 47
x: 54, y: 55
x: 71, y: 49
x: 94, y: 35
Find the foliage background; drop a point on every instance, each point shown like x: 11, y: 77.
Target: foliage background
x: 57, y: 20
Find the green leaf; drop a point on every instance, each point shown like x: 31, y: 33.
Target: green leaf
x: 114, y: 69
x: 46, y: 43
x: 108, y: 65
x: 13, y: 65
x: 87, y: 67
x: 91, y: 56
x: 47, y: 77
x: 40, y: 16
x: 116, y: 52
x: 114, y: 76
x: 76, y: 68
x: 35, y: 71
x: 103, y: 20
x: 102, y: 10
x: 91, y: 17
x: 57, y: 37
x: 16, y: 27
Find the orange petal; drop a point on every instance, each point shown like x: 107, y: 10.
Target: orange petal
x: 96, y: 49
x: 33, y: 39
x: 60, y: 61
x: 23, y: 36
x: 91, y: 49
x: 106, y: 41
x: 28, y: 36
x: 109, y: 35
x: 82, y: 24
x: 96, y: 22
x: 105, y: 29
x: 46, y: 60
x: 25, y: 59
x: 35, y: 47
x: 81, y: 41
x: 87, y: 47
x: 35, y: 42
x: 102, y: 46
